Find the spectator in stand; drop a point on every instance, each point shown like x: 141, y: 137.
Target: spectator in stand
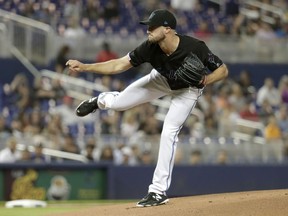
x: 118, y: 153
x: 10, y: 154
x: 222, y: 98
x: 272, y: 130
x: 118, y: 85
x: 148, y: 123
x: 74, y: 30
x: 111, y: 10
x: 5, y: 130
x: 283, y: 88
x: 136, y: 154
x: 236, y: 97
x: 277, y: 26
x: 211, y: 126
x: 70, y: 145
x: 206, y: 102
x: 128, y: 157
x: 106, y: 53
x: 249, y: 112
x: 54, y: 131
x: 179, y: 157
x: 222, y: 157
x: 17, y: 128
x: 110, y: 122
x: 203, y: 30
x: 194, y: 126
x: 67, y: 111
x: 283, y: 31
x: 45, y: 12
x: 232, y: 8
x: 91, y: 151
x: 129, y: 123
x: 282, y: 119
x: 146, y: 158
x: 265, y: 32
x: 91, y: 10
x: 265, y: 111
x: 19, y: 94
x: 244, y: 80
x: 47, y: 90
x: 26, y: 9
x: 88, y: 152
x: 37, y: 156
x: 151, y: 126
x: 62, y: 58
x: 72, y: 9
x: 227, y: 121
x: 34, y: 124
x: 248, y: 23
x: 107, y: 154
x: 269, y: 92
x: 221, y: 30
x: 105, y: 80
x: 25, y: 156
x: 195, y: 157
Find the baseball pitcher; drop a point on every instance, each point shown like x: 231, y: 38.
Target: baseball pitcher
x: 182, y: 67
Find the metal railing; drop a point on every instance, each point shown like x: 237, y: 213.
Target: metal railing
x: 32, y: 38
x: 55, y: 153
x: 3, y: 41
x: 265, y: 9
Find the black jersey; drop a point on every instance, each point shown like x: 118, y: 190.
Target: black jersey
x: 167, y: 65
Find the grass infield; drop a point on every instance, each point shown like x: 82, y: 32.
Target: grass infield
x: 56, y: 207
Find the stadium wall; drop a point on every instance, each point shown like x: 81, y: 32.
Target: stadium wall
x: 94, y: 181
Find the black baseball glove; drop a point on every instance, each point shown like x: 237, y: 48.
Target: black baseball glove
x: 192, y: 71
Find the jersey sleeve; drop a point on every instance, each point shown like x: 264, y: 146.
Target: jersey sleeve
x: 210, y: 60
x: 140, y: 54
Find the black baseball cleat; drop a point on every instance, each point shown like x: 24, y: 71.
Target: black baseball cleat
x: 87, y: 106
x: 153, y: 199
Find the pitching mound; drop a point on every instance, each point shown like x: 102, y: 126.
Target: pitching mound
x: 262, y: 203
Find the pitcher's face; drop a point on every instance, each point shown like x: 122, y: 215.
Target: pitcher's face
x: 156, y: 34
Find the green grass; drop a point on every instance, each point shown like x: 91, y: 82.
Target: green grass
x: 55, y: 207
x: 33, y: 211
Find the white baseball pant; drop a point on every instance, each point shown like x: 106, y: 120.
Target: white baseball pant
x: 148, y: 88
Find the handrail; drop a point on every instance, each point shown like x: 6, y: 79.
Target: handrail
x: 4, y: 51
x: 73, y: 80
x: 25, y: 20
x: 249, y: 123
x: 266, y: 7
x: 55, y: 153
x: 248, y: 137
x: 24, y: 61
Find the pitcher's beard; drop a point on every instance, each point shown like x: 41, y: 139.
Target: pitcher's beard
x: 156, y: 40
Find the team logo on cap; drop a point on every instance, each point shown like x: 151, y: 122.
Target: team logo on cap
x: 152, y: 15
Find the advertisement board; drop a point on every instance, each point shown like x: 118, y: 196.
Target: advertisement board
x: 49, y: 184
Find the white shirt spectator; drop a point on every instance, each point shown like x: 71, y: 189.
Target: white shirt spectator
x: 10, y: 154
x: 268, y: 92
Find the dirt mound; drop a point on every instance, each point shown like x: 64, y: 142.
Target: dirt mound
x: 254, y: 203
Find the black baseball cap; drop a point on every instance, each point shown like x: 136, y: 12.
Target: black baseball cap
x: 161, y: 17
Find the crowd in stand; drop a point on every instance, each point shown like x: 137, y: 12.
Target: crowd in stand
x: 41, y: 113
x: 75, y: 18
